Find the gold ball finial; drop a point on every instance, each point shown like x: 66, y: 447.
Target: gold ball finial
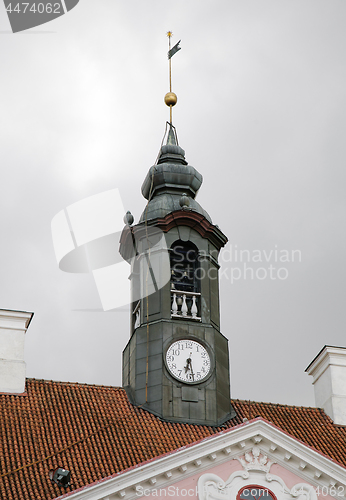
x: 171, y: 99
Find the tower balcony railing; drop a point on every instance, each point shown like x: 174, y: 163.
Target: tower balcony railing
x: 185, y: 304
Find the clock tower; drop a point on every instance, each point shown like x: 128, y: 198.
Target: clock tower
x: 176, y: 362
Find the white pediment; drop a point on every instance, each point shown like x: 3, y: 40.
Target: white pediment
x: 255, y: 446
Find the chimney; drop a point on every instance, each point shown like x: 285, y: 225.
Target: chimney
x: 13, y: 325
x: 328, y: 370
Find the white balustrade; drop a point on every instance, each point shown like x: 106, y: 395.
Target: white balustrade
x: 185, y: 304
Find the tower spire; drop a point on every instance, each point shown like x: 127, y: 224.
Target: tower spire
x: 171, y: 98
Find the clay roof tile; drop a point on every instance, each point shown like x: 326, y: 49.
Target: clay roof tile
x: 94, y: 432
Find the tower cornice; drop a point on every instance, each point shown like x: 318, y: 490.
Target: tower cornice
x: 184, y: 217
x: 195, y: 221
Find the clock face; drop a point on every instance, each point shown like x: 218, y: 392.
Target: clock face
x: 255, y: 492
x: 188, y: 361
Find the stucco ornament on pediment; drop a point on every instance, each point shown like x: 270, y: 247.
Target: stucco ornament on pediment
x: 256, y: 470
x: 255, y: 461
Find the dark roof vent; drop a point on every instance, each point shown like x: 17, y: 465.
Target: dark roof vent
x: 61, y: 477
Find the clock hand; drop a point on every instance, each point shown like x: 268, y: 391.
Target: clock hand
x: 188, y: 364
x: 193, y: 375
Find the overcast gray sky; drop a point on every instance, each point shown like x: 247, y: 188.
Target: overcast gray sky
x: 261, y: 88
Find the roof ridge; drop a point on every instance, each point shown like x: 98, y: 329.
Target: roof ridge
x: 65, y: 382
x: 246, y: 401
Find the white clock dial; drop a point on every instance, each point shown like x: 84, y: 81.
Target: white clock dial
x: 188, y: 361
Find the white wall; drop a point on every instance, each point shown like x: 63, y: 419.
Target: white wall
x: 13, y: 326
x: 328, y: 370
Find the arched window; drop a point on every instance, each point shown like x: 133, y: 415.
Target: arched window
x: 255, y: 492
x: 185, y: 286
x: 184, y: 259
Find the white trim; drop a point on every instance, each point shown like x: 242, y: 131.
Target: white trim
x: 335, y: 356
x: 15, y: 320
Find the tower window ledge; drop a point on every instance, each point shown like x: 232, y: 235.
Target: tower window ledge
x: 183, y: 292
x: 179, y: 316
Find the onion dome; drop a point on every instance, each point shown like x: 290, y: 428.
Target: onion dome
x: 170, y: 179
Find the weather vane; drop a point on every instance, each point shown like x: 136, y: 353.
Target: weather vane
x: 171, y: 98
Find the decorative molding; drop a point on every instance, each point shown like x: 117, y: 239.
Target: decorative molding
x: 212, y: 487
x: 254, y: 461
x: 188, y: 218
x: 257, y: 439
x: 329, y: 355
x: 15, y: 320
x: 195, y: 221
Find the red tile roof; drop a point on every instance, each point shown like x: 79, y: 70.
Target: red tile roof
x: 94, y: 432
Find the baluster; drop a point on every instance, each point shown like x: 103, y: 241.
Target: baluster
x: 179, y: 302
x: 174, y: 304
x: 138, y: 318
x: 184, y: 308
x: 194, y: 309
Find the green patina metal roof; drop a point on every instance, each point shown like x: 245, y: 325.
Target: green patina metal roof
x: 168, y: 180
